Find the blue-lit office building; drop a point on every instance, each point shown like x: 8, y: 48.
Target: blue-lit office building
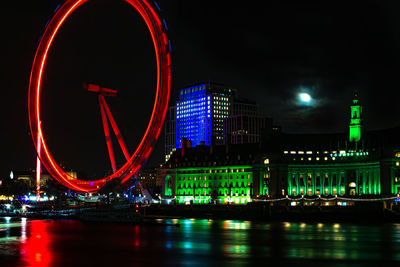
x: 200, y: 113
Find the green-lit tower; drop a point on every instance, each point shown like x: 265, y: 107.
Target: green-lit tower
x: 355, y: 127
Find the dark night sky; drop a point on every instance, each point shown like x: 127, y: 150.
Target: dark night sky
x: 268, y: 52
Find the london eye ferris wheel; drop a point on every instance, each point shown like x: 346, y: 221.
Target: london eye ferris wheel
x: 133, y: 161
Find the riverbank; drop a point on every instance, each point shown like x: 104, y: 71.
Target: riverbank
x: 365, y: 212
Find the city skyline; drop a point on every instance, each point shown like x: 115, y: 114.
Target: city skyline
x: 270, y: 54
x: 172, y: 132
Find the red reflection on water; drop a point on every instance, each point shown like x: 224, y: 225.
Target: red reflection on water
x: 34, y: 248
x: 137, y: 237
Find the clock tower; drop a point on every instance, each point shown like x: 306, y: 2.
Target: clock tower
x: 356, y: 122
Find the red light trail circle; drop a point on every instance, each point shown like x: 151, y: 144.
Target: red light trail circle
x: 162, y: 51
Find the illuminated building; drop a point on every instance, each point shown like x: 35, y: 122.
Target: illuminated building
x: 200, y: 111
x: 27, y: 180
x: 206, y: 174
x: 293, y: 165
x: 332, y: 165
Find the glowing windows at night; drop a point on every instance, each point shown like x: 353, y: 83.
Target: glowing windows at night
x: 192, y: 119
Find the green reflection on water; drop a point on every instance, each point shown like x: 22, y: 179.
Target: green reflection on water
x: 237, y: 250
x: 334, y: 241
x: 243, y: 242
x: 317, y: 241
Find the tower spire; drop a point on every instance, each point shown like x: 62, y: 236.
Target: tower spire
x: 356, y: 122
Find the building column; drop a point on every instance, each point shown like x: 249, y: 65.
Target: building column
x: 378, y: 181
x: 371, y: 181
x: 357, y: 183
x: 314, y: 182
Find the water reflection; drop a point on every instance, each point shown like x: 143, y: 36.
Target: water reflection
x: 196, y: 242
x: 34, y: 248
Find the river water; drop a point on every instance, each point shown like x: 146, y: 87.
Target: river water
x: 196, y: 242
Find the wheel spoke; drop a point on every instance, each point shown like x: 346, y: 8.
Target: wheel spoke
x: 107, y: 135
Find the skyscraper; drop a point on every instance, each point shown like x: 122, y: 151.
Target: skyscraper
x: 200, y: 113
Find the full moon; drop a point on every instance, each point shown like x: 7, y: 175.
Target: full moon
x: 304, y: 97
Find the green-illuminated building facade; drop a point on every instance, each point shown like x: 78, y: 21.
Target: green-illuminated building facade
x: 352, y: 164
x: 211, y: 174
